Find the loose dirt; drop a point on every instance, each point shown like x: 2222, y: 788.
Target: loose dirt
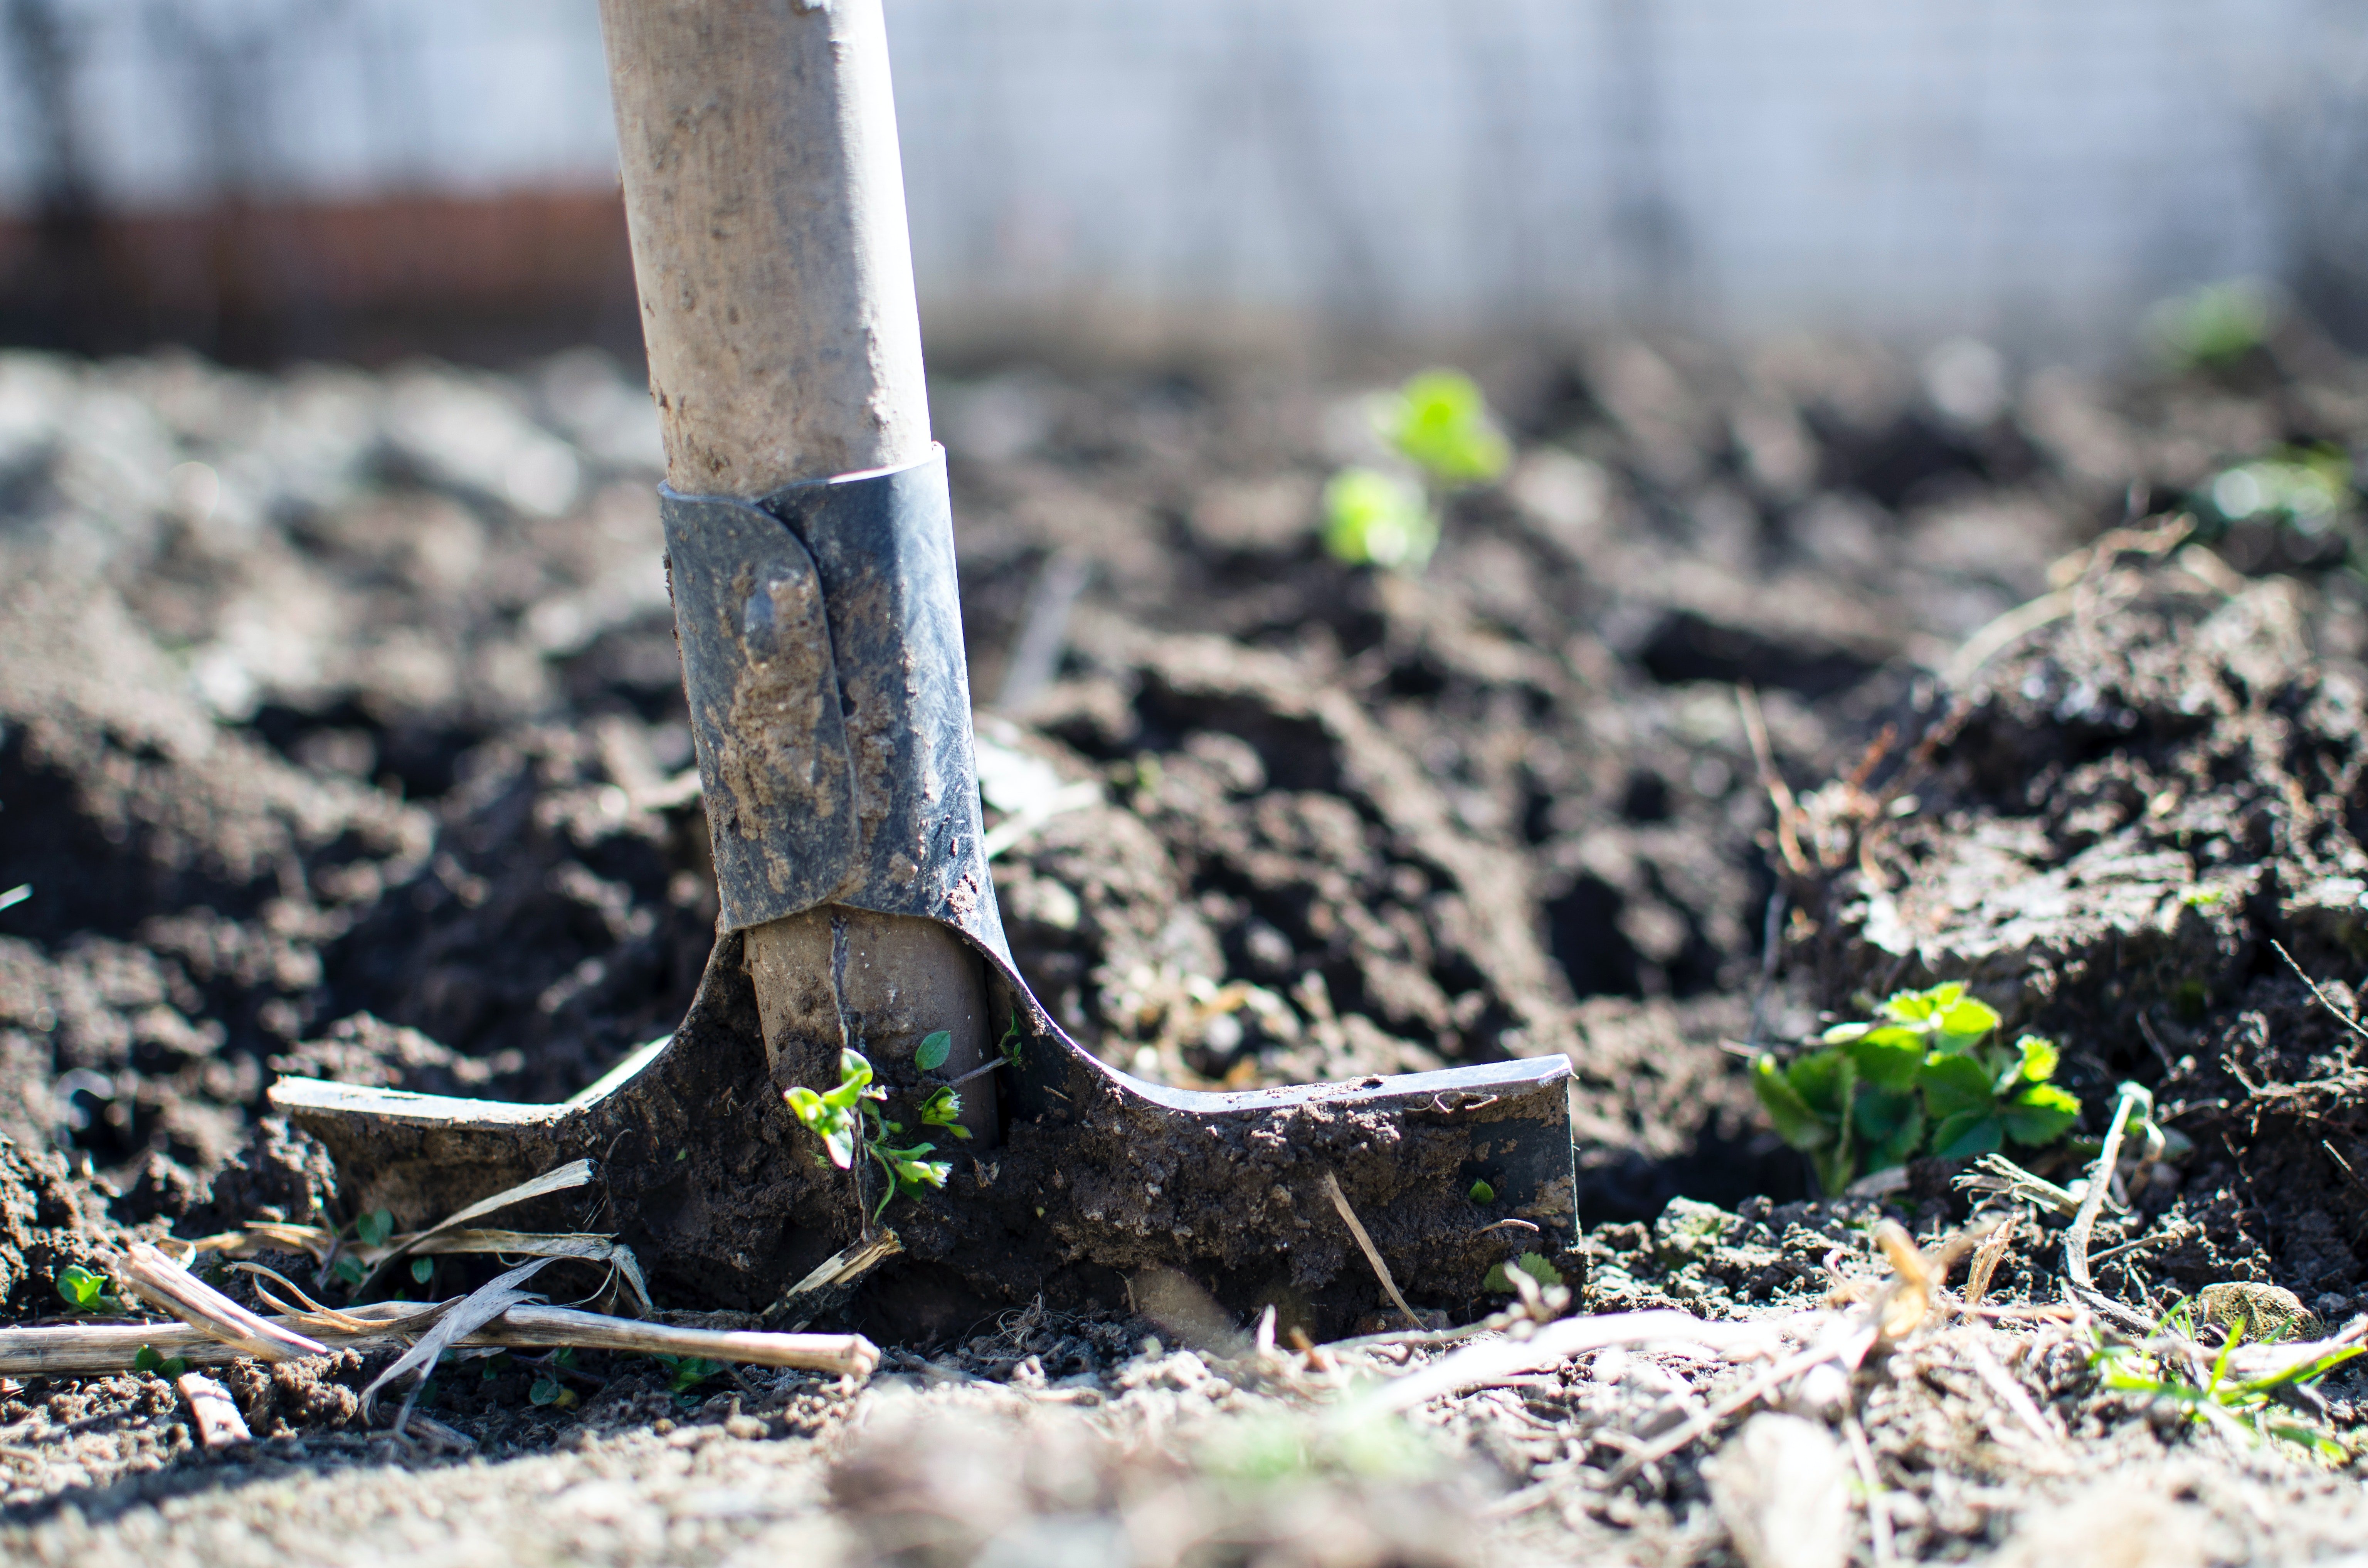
x: 341, y: 734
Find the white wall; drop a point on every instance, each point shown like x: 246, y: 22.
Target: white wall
x: 2016, y: 166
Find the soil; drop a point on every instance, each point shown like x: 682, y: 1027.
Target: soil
x: 341, y: 735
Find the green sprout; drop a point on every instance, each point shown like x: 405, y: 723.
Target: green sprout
x: 2216, y: 325
x: 2168, y: 1369
x: 373, y: 1228
x: 1529, y: 1262
x: 684, y: 1373
x: 943, y: 1108
x: 86, y: 1292
x: 547, y: 1390
x: 931, y: 1053
x: 1439, y: 423
x: 835, y: 1117
x: 146, y: 1359
x: 846, y: 1118
x: 1371, y: 518
x: 1482, y: 1192
x: 2305, y: 488
x: 1011, y: 1044
x: 1919, y: 1079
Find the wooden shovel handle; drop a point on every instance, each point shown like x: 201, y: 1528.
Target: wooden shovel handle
x: 758, y: 144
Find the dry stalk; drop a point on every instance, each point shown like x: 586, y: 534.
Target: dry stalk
x: 2084, y: 1224
x: 166, y: 1286
x: 1372, y: 1254
x: 1986, y: 1258
x: 1879, y: 1545
x: 70, y: 1349
x: 846, y: 1355
x: 219, y: 1426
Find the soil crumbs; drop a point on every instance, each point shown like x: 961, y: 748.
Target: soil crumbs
x: 341, y: 734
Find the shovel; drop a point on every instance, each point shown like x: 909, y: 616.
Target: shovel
x: 810, y: 552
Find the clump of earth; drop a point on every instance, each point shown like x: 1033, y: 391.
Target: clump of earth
x: 341, y: 735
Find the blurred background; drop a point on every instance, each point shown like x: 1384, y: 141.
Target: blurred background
x: 262, y: 179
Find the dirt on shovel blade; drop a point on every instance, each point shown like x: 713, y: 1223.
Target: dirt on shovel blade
x: 341, y: 735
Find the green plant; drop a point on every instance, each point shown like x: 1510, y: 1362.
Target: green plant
x: 846, y: 1118
x: 685, y: 1373
x: 2305, y: 488
x: 1481, y: 1192
x: 547, y: 1390
x: 1529, y: 1262
x: 2216, y: 325
x: 1011, y: 1044
x: 931, y: 1053
x: 1371, y: 518
x: 1439, y: 423
x: 1920, y: 1078
x: 371, y: 1230
x: 86, y: 1292
x: 147, y: 1360
x: 2167, y: 1367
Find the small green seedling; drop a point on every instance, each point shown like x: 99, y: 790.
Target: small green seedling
x: 1011, y: 1044
x: 373, y: 1228
x: 1529, y: 1263
x: 1439, y: 423
x: 2214, y: 326
x: 1482, y: 1192
x: 943, y: 1110
x: 1371, y: 518
x: 547, y: 1390
x: 2249, y: 1407
x: 1919, y: 1079
x: 931, y: 1053
x: 146, y: 1359
x: 423, y: 1269
x: 846, y: 1118
x: 685, y: 1373
x: 2305, y: 488
x: 86, y: 1292
x: 836, y: 1116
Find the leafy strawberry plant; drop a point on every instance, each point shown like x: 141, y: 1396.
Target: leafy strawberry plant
x: 1923, y: 1078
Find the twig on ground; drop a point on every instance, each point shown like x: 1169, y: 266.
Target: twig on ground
x: 2012, y: 1395
x: 2178, y: 1232
x: 1779, y: 794
x: 842, y: 1267
x: 1986, y: 1258
x: 463, y: 1317
x: 845, y: 1354
x: 155, y: 1278
x: 1878, y: 1512
x: 1848, y: 1342
x: 219, y: 1426
x: 68, y: 1350
x: 2346, y: 1020
x: 575, y: 1173
x: 1036, y: 656
x: 1557, y: 1342
x: 1372, y: 1254
x: 2133, y: 1097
